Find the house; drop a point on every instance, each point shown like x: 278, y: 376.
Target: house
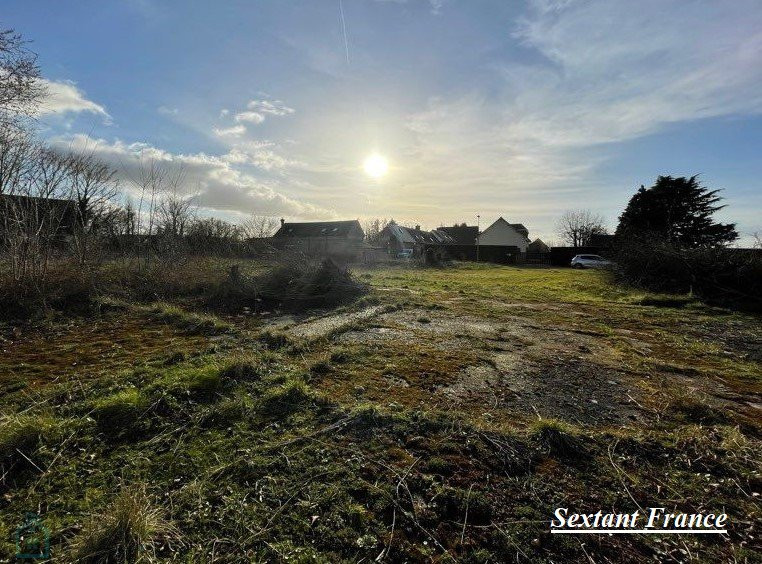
x: 325, y: 238
x: 538, y: 247
x: 462, y: 234
x: 53, y: 217
x: 397, y: 238
x: 504, y: 234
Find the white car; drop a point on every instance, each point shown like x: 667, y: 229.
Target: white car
x: 590, y: 261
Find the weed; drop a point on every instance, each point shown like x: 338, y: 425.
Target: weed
x: 286, y: 399
x: 122, y: 413
x: 274, y: 339
x: 191, y: 323
x: 557, y: 438
x: 125, y: 532
x: 695, y: 411
x: 22, y: 433
x: 240, y: 371
x: 320, y: 367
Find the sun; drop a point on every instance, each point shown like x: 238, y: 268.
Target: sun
x: 376, y: 166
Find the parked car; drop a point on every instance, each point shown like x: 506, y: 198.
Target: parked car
x: 590, y: 261
x: 405, y: 254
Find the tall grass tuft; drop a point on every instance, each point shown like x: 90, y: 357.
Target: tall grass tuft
x: 557, y: 438
x: 125, y: 532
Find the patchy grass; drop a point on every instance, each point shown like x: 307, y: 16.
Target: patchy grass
x: 395, y: 438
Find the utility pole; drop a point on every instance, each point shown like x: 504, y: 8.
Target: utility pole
x: 478, y: 235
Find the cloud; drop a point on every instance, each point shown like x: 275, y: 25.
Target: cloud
x: 654, y: 63
x: 274, y: 107
x: 589, y: 75
x: 215, y: 181
x: 257, y: 112
x: 64, y: 97
x: 260, y: 154
x: 235, y: 131
x: 251, y: 117
x: 165, y: 111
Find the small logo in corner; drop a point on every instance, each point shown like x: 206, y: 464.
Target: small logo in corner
x: 32, y: 538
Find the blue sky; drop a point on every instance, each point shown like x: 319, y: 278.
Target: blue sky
x: 519, y: 109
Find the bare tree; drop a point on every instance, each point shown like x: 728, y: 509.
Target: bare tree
x: 757, y: 240
x: 576, y: 227
x: 157, y: 181
x: 20, y: 86
x: 16, y: 149
x: 175, y: 214
x: 93, y: 187
x: 36, y: 218
x: 373, y: 228
x: 259, y: 226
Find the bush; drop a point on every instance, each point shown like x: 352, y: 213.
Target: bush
x: 719, y: 276
x: 298, y: 284
x: 63, y: 288
x: 130, y: 526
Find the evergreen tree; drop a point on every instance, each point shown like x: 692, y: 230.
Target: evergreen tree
x: 678, y: 211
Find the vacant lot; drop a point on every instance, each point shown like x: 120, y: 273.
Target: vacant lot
x: 441, y: 417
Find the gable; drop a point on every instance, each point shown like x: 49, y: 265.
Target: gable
x: 503, y: 233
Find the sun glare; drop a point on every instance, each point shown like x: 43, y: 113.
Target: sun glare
x: 376, y: 166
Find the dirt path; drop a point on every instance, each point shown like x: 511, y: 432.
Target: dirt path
x: 315, y: 328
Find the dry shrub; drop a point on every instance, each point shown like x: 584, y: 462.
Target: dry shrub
x: 126, y: 532
x: 299, y: 285
x: 295, y: 283
x: 65, y: 287
x: 719, y: 276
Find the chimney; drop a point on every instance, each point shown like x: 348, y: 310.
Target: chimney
x: 417, y: 227
x: 282, y: 221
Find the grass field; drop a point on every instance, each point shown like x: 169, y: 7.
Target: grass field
x: 442, y: 417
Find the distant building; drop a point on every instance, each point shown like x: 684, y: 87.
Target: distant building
x: 538, y: 246
x: 56, y: 218
x: 397, y: 238
x: 322, y: 238
x: 504, y: 234
x: 462, y: 234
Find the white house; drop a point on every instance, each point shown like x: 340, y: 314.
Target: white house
x: 502, y: 233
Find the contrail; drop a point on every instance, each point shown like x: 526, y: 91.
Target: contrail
x: 344, y: 27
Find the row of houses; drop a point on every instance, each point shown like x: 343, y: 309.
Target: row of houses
x: 502, y: 241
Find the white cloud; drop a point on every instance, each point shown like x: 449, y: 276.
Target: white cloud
x: 64, y: 97
x: 166, y: 111
x: 215, y: 181
x: 251, y: 117
x: 271, y: 107
x: 261, y: 154
x: 258, y: 110
x: 235, y: 131
x: 597, y: 72
x: 224, y: 112
x: 619, y: 70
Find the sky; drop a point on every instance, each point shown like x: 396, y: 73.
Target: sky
x: 520, y: 109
